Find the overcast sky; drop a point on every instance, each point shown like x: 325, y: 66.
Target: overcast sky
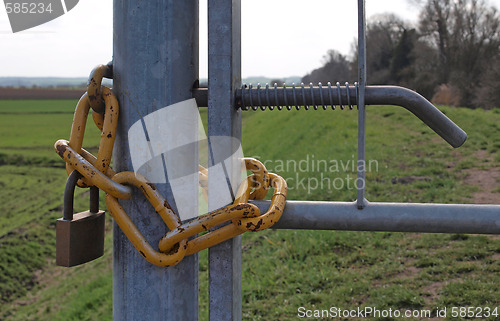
x: 280, y: 38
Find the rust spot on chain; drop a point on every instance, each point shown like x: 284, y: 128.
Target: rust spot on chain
x: 60, y: 150
x: 249, y: 225
x: 144, y: 191
x: 174, y: 249
x: 238, y: 207
x: 165, y: 203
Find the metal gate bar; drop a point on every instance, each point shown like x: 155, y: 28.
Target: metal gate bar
x: 155, y: 63
x: 224, y: 76
x: 389, y: 217
x: 374, y: 95
x: 360, y: 182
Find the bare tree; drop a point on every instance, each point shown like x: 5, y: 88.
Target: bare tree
x: 424, y: 70
x: 433, y: 26
x: 384, y: 36
x: 456, y: 46
x: 278, y: 82
x: 466, y: 35
x: 336, y: 67
x: 488, y: 93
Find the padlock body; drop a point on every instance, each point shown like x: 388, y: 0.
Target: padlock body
x: 80, y: 240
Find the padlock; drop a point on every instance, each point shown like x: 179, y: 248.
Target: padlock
x: 79, y: 237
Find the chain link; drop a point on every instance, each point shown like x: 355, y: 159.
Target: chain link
x: 176, y: 253
x: 237, y: 227
x: 94, y: 86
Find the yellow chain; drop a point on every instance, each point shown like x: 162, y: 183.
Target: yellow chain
x: 241, y: 215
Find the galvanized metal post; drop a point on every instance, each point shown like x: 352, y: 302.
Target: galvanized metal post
x: 155, y: 63
x: 361, y: 183
x: 224, y: 77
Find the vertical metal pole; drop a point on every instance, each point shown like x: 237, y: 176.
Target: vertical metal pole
x: 361, y: 104
x: 155, y: 63
x: 224, y: 76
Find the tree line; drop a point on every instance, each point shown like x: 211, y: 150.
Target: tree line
x: 451, y: 56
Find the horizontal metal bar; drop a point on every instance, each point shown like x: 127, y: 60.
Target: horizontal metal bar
x: 389, y: 217
x: 374, y: 95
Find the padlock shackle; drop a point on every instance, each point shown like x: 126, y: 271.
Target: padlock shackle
x: 69, y: 195
x: 94, y: 199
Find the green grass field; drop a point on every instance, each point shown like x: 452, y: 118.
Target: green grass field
x: 282, y: 270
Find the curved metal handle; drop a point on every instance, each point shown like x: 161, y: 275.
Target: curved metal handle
x: 420, y: 107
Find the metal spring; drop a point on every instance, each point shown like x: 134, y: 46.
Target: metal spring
x: 276, y: 97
